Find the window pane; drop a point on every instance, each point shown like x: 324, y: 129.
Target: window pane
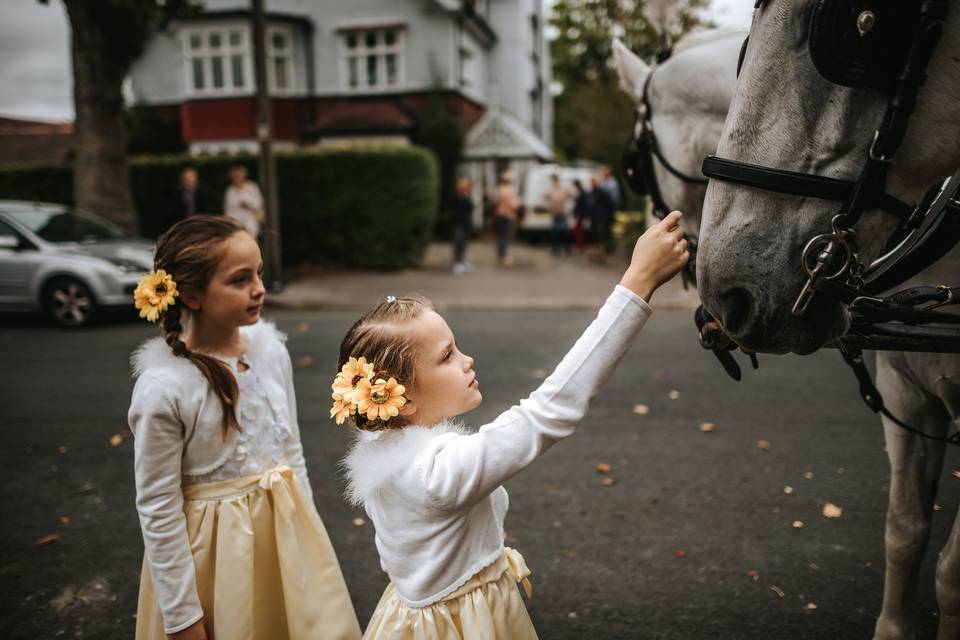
x: 353, y: 75
x: 236, y: 38
x: 217, y: 72
x: 215, y: 40
x: 371, y: 71
x: 390, y: 37
x: 195, y: 41
x: 279, y: 40
x: 391, y: 68
x: 236, y: 62
x: 371, y: 39
x: 198, y: 73
x: 280, y: 73
x: 351, y: 41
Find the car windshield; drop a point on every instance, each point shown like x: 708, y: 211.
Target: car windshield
x: 64, y: 225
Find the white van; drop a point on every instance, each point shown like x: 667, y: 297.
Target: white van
x: 536, y: 182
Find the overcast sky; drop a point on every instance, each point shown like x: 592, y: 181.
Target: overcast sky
x: 36, y: 80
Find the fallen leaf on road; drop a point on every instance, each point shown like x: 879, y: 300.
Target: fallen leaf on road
x: 64, y: 519
x: 956, y: 473
x: 61, y: 449
x: 539, y: 373
x: 763, y: 445
x: 707, y: 427
x: 788, y: 489
x: 608, y: 482
x: 603, y: 467
x: 303, y: 327
x: 572, y: 615
x: 840, y: 471
x: 674, y: 394
x: 807, y: 475
x: 116, y: 440
x: 753, y: 573
x: 811, y: 606
x: 798, y: 524
x: 680, y: 553
x: 641, y: 409
x: 831, y: 510
x: 47, y: 539
x: 777, y: 590
x: 938, y: 507
x: 305, y: 361
x: 359, y: 522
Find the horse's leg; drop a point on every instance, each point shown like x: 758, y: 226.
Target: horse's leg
x: 948, y: 585
x: 915, y: 465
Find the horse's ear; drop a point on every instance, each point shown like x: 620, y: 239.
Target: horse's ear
x: 632, y: 70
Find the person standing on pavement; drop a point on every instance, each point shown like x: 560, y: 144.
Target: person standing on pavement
x: 462, y: 225
x: 506, y: 208
x: 581, y: 217
x: 188, y: 196
x: 243, y: 201
x: 601, y: 218
x: 558, y: 203
x: 234, y: 547
x: 432, y: 488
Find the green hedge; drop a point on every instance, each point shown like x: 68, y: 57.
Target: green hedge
x: 372, y: 207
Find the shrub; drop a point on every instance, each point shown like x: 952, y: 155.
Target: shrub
x: 368, y: 207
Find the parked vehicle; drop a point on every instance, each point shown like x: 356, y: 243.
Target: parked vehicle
x: 537, y: 218
x: 66, y: 263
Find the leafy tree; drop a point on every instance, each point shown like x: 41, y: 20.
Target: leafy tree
x: 106, y: 37
x: 592, y: 116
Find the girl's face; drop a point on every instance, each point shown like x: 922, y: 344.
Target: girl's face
x: 446, y: 384
x: 234, y: 296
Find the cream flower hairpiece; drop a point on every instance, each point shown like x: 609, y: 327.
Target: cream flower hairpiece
x: 154, y: 293
x: 356, y: 389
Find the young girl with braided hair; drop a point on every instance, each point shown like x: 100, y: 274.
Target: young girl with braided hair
x: 234, y: 545
x: 432, y: 489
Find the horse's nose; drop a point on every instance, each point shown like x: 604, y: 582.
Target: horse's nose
x: 737, y: 310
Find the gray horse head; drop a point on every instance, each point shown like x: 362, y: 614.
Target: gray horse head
x: 784, y: 114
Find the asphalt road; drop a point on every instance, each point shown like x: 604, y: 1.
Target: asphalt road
x: 604, y: 557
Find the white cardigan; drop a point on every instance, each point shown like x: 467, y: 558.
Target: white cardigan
x: 434, y: 494
x: 176, y: 420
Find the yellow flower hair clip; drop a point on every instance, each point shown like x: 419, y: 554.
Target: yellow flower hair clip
x: 357, y: 390
x: 154, y: 293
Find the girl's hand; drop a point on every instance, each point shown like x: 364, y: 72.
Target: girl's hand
x: 658, y: 255
x: 196, y: 631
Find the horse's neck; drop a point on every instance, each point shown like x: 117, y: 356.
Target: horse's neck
x: 931, y: 148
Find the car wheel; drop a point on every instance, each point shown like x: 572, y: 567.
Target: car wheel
x: 69, y: 302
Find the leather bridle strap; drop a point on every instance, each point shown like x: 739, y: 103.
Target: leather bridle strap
x: 795, y: 183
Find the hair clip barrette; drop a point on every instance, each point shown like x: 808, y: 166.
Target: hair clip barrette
x: 391, y: 299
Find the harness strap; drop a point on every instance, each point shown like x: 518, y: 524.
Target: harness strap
x: 872, y: 398
x: 796, y: 183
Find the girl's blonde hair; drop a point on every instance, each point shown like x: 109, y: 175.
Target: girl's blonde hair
x: 381, y: 337
x: 190, y: 252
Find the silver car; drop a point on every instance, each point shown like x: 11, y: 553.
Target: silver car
x: 66, y: 263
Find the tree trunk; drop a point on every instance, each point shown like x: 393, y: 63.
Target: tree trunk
x: 101, y: 181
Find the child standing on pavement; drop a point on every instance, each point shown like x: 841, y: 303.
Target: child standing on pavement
x: 433, y: 490
x: 234, y: 545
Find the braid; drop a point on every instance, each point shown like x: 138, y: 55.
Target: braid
x: 189, y: 251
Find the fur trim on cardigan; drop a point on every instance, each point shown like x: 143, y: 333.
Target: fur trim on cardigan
x: 375, y: 457
x: 154, y: 353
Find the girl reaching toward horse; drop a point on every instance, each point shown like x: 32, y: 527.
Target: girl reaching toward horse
x: 234, y: 545
x: 432, y: 489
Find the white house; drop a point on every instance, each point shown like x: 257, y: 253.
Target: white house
x: 340, y: 71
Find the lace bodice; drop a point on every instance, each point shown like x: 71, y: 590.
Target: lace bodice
x: 263, y: 437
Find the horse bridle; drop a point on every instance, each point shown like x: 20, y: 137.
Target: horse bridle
x: 637, y: 163
x: 866, y: 30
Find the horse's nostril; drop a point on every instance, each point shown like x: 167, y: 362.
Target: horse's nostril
x: 736, y: 309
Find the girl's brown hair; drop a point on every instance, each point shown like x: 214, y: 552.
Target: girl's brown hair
x: 381, y: 338
x: 190, y: 252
